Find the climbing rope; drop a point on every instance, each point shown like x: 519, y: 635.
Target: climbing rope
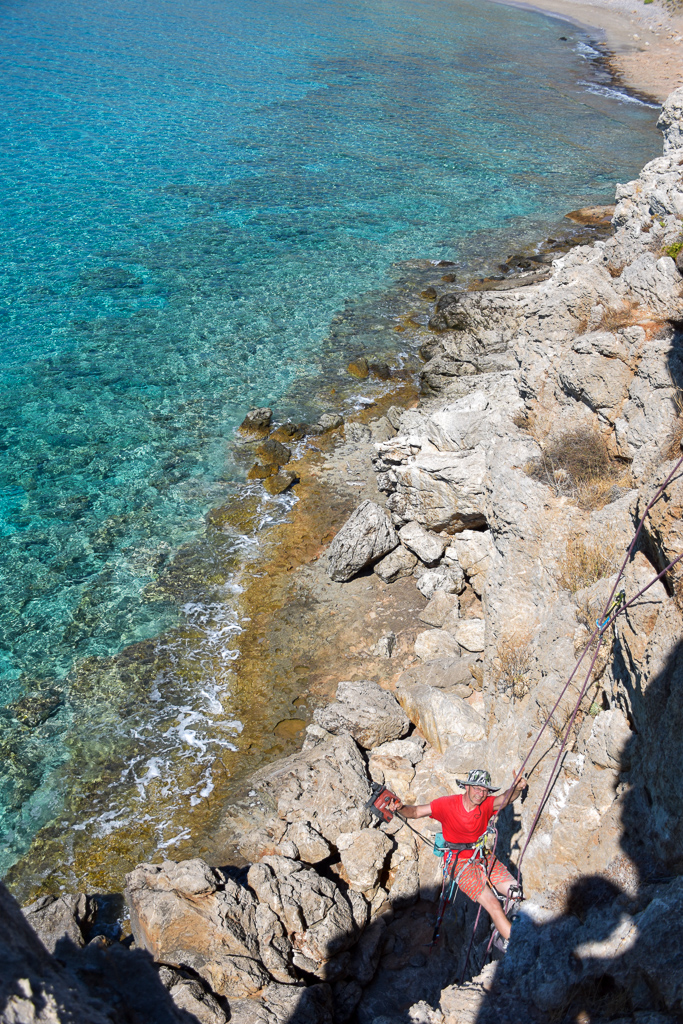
x: 616, y: 605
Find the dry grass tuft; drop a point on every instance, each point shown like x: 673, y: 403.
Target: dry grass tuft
x: 576, y: 464
x: 612, y: 319
x: 587, y: 560
x: 514, y: 656
x: 672, y: 446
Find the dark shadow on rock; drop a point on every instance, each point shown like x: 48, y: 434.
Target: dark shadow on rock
x: 100, y: 984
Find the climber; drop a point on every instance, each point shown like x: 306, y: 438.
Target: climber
x: 465, y: 818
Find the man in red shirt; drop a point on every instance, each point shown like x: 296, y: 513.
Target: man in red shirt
x: 465, y: 818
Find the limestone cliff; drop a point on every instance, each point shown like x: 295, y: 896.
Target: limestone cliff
x: 552, y: 414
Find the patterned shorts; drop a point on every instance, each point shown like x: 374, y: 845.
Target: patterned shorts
x: 473, y: 878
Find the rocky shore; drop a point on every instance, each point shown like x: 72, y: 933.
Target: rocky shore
x: 489, y: 525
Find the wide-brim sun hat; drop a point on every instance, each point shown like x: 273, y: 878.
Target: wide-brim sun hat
x: 478, y: 777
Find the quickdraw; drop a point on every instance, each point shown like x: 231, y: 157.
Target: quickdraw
x: 616, y: 604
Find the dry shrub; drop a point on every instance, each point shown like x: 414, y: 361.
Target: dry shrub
x: 587, y: 560
x: 514, y: 656
x: 612, y: 319
x: 576, y: 464
x: 672, y: 449
x: 573, y: 457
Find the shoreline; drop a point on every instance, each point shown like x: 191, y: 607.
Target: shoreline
x: 548, y: 426
x: 290, y: 731
x: 645, y: 45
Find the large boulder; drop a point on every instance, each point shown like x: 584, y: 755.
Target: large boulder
x: 363, y: 855
x: 62, y: 918
x: 441, y: 489
x: 442, y: 719
x: 428, y: 547
x: 312, y: 910
x: 443, y: 673
x: 366, y: 536
x: 186, y: 916
x: 367, y: 712
x: 34, y: 988
x: 325, y: 785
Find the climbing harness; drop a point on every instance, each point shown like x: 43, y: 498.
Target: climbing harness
x: 452, y: 872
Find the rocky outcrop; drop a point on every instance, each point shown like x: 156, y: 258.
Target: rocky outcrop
x: 515, y: 552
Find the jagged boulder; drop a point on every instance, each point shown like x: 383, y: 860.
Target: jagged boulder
x: 363, y: 855
x: 366, y: 536
x: 186, y: 916
x: 34, y: 988
x: 189, y: 995
x: 367, y: 712
x: 312, y: 848
x: 315, y: 915
x: 61, y: 918
x: 440, y: 489
x: 670, y: 122
x: 428, y: 547
x: 442, y: 719
x: 257, y: 422
x: 325, y: 785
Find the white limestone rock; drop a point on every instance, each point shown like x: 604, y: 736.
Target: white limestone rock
x: 365, y: 537
x: 440, y: 606
x: 471, y: 634
x: 365, y: 711
x: 398, y: 563
x: 428, y: 547
x: 434, y: 644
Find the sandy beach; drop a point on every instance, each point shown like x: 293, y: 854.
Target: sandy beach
x: 645, y: 40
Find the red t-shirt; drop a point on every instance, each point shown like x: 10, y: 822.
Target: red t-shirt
x: 459, y: 825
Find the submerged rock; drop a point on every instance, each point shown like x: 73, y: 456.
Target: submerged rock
x: 359, y: 368
x: 257, y: 422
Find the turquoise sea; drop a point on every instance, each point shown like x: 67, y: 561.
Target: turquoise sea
x: 192, y: 195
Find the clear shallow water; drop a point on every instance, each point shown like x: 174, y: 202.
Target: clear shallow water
x: 190, y: 196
